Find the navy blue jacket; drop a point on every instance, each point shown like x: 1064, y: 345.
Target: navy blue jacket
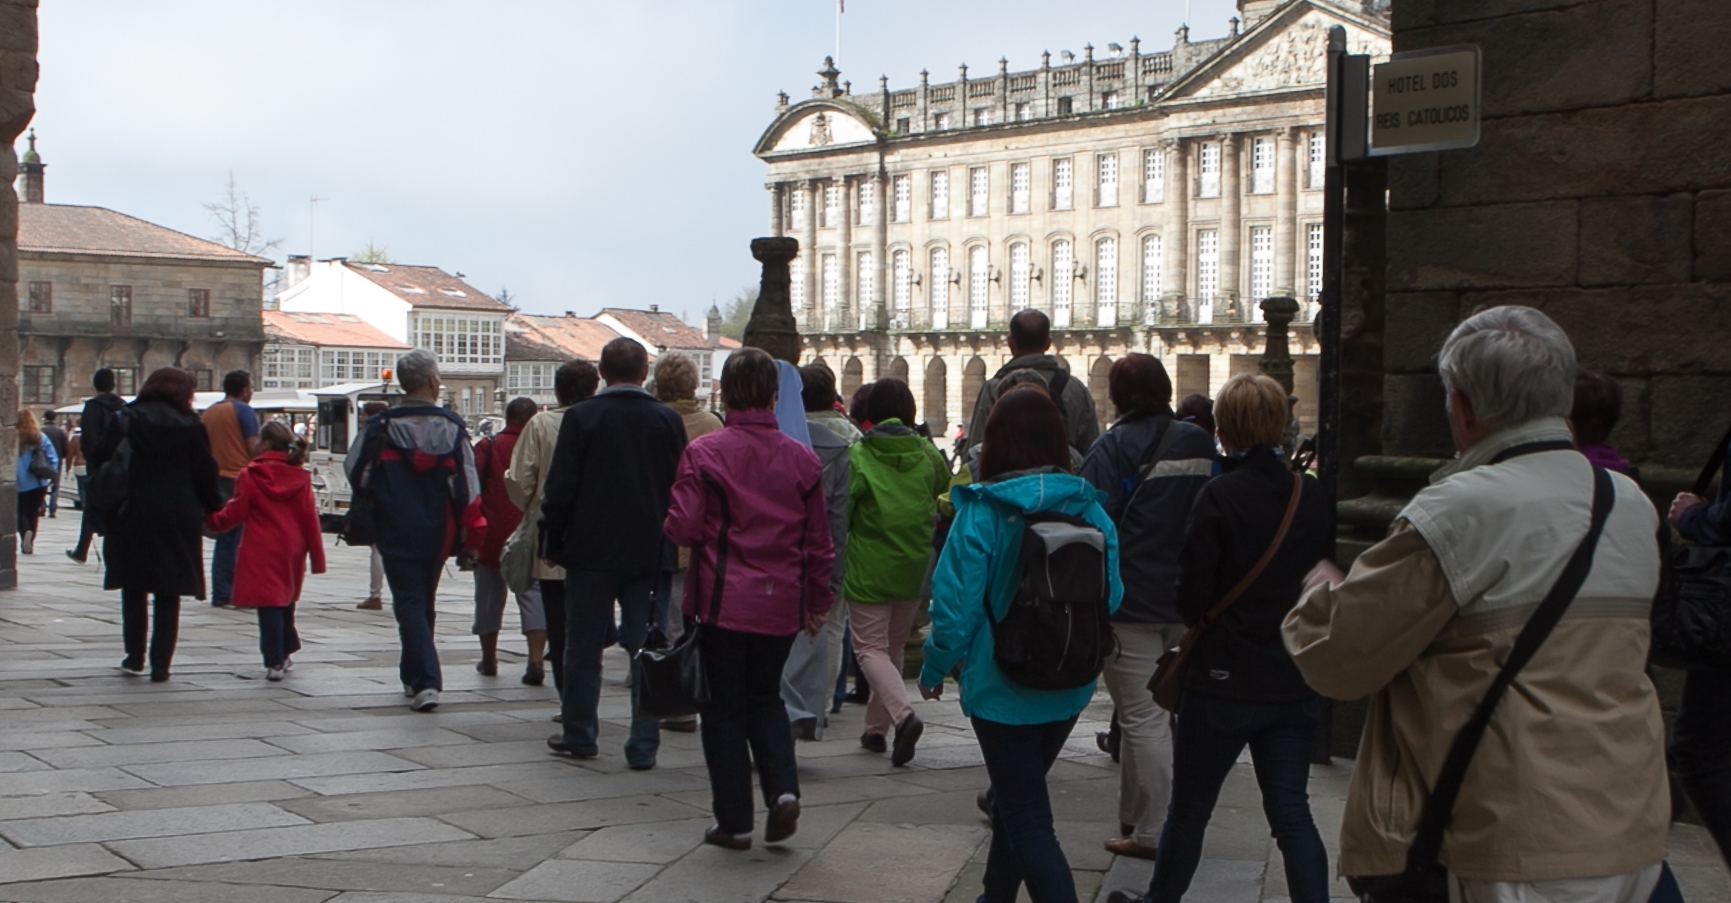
x: 1710, y: 524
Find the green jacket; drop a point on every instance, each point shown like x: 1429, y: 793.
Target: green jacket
x: 897, y: 477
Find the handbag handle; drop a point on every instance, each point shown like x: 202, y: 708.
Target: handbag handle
x: 1263, y: 562
x: 1717, y: 458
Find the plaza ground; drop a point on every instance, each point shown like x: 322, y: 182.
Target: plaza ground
x: 326, y: 788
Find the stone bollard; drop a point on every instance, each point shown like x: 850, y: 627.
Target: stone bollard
x: 772, y: 326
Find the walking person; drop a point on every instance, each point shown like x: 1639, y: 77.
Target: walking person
x: 414, y: 459
x: 531, y: 460
x: 897, y: 476
x: 676, y: 387
x: 76, y: 466
x: 153, y: 546
x: 1242, y: 688
x: 100, y: 413
x: 492, y: 459
x: 1150, y: 467
x: 1024, y: 470
x: 37, y: 468
x: 233, y: 429
x: 1030, y: 343
x: 375, y: 600
x: 52, y: 431
x: 273, y: 498
x: 601, y: 515
x: 748, y: 501
x: 1565, y: 796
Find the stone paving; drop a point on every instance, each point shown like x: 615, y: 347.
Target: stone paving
x: 326, y: 788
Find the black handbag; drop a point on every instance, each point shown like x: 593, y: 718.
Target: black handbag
x: 671, y: 679
x: 1692, y: 615
x: 1425, y: 880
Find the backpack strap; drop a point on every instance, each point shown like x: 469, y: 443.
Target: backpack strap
x: 1151, y: 458
x: 1705, y: 480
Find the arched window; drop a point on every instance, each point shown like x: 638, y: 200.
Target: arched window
x: 1106, y: 282
x: 852, y: 377
x: 1020, y: 269
x: 979, y: 276
x: 937, y: 397
x: 940, y: 288
x: 902, y: 278
x: 973, y: 379
x: 1063, y: 280
x: 899, y: 368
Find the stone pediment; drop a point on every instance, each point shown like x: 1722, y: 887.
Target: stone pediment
x: 1288, y: 51
x: 817, y: 126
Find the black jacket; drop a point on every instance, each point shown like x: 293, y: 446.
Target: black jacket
x: 154, y: 542
x: 1241, y: 655
x: 1150, y: 533
x: 609, y: 484
x: 96, y: 418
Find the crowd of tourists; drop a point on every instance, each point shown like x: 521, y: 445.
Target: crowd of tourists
x: 1513, y: 748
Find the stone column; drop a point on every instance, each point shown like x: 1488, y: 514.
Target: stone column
x: 808, y: 250
x: 1175, y: 234
x: 1286, y: 187
x: 771, y: 326
x: 881, y: 294
x: 848, y: 304
x: 777, y: 209
x: 17, y: 106
x: 1231, y: 194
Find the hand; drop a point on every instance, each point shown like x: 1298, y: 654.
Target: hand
x: 549, y: 563
x: 1683, y: 502
x: 814, y: 623
x: 1324, y: 572
x: 932, y: 693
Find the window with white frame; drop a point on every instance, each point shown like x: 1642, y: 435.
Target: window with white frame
x: 289, y: 367
x: 940, y: 194
x: 1110, y: 100
x: 863, y: 282
x: 1207, y: 273
x: 941, y: 122
x: 1106, y: 169
x: 940, y: 292
x: 901, y: 277
x: 979, y: 282
x: 1021, y: 269
x: 1209, y: 183
x: 1262, y: 165
x: 979, y: 191
x: 705, y: 372
x: 461, y: 342
x: 904, y: 192
x: 1024, y: 112
x: 796, y: 283
x: 1063, y: 183
x: 1106, y: 282
x: 1063, y: 280
x: 1153, y: 175
x: 531, y: 378
x: 343, y: 365
x: 1019, y: 180
x: 868, y: 202
x: 796, y: 208
x: 831, y: 206
x: 1313, y: 262
x: 1316, y: 157
x: 831, y: 288
x: 982, y: 116
x: 1153, y: 266
x: 1261, y: 268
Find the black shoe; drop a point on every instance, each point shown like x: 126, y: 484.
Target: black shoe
x: 907, y: 735
x: 557, y: 744
x: 159, y: 677
x: 714, y: 835
x: 534, y: 675
x: 76, y: 556
x: 1125, y: 896
x: 984, y: 801
x: 783, y: 821
x: 859, y: 695
x: 874, y: 742
x: 132, y: 667
x: 487, y: 668
x: 222, y: 604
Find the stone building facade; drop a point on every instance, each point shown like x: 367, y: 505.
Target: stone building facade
x: 1145, y: 201
x: 18, y: 70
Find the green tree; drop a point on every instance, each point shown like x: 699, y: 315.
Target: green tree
x: 737, y: 312
x: 372, y: 254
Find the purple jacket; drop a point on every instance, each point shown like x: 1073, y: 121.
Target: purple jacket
x: 748, y: 502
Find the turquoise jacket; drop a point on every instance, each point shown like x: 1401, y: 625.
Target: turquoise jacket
x: 982, y: 553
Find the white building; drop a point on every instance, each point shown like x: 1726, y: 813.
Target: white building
x: 314, y: 350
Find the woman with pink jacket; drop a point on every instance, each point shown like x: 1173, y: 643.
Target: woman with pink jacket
x: 748, y: 502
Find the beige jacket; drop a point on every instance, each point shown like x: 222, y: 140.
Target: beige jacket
x: 1569, y: 782
x: 527, y: 478
x: 698, y: 422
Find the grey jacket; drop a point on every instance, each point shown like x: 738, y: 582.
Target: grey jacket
x: 1084, y: 424
x: 837, y: 475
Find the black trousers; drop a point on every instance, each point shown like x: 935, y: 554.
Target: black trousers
x: 135, y: 623
x: 553, y: 604
x: 744, y: 722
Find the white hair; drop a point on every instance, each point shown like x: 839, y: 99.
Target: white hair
x: 1514, y: 363
x: 416, y: 369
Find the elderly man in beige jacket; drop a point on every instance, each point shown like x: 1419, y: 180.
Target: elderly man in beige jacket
x: 1566, y: 797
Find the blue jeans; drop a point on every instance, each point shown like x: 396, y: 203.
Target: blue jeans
x: 223, y: 555
x: 1701, y: 751
x: 589, y: 597
x: 1210, y: 734
x: 414, y: 583
x: 277, y: 637
x: 744, y: 721
x: 1024, y: 844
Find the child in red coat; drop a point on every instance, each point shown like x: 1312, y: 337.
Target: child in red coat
x: 273, y: 497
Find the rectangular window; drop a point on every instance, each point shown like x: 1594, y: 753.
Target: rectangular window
x: 1065, y: 105
x: 288, y: 367
x: 198, y: 302
x: 831, y: 289
x: 1019, y: 183
x: 1261, y: 268
x: 1106, y: 282
x: 37, y: 385
x: 125, y: 380
x: 1106, y: 166
x: 120, y: 305
x: 903, y: 125
x: 460, y: 342
x: 1207, y: 273
x: 868, y: 203
x: 1024, y: 113
x: 941, y: 122
x: 531, y: 378
x: 1317, y: 158
x: 41, y: 297
x: 1021, y: 268
x: 979, y: 197
x: 940, y: 288
x: 1262, y: 165
x: 796, y: 284
x: 1063, y: 183
x: 1313, y: 262
x: 796, y: 208
x: 1063, y: 280
x: 831, y: 206
x: 1109, y: 100
x: 940, y: 194
x: 206, y: 380
x: 904, y: 192
x: 345, y: 366
x: 1209, y: 182
x: 983, y: 116
x: 863, y: 284
x: 979, y: 285
x: 1153, y: 175
x: 1152, y: 268
x: 901, y: 264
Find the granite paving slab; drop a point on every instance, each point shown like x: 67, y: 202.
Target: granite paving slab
x: 575, y: 881
x: 43, y: 863
x: 403, y: 803
x: 203, y: 795
x: 151, y: 753
x: 162, y: 852
x: 711, y: 874
x: 135, y: 889
x: 851, y: 869
x: 541, y: 818
x: 342, y: 875
x: 519, y: 853
x: 177, y: 774
x: 108, y: 826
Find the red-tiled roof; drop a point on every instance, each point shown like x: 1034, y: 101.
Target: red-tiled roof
x: 328, y: 330
x: 729, y: 344
x: 541, y: 338
x: 659, y: 328
x: 71, y: 229
x: 427, y: 287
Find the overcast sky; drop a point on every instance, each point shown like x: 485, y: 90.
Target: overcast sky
x: 584, y: 154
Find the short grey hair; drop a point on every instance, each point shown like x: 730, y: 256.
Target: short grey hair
x: 675, y: 376
x: 417, y: 368
x: 1514, y: 363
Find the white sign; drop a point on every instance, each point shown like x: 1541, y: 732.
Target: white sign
x: 1425, y: 100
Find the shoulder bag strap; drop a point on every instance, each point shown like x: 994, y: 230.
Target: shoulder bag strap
x: 1439, y: 808
x: 1156, y: 450
x: 720, y: 546
x: 1712, y: 469
x: 1262, y: 563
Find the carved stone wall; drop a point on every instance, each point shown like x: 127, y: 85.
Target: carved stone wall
x: 17, y: 106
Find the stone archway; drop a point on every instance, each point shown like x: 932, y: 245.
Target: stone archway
x: 1100, y: 386
x: 973, y: 380
x: 937, y: 398
x: 899, y: 368
x: 852, y: 377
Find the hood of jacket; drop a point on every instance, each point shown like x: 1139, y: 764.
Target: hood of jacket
x: 108, y: 400
x: 1036, y: 490
x: 895, y: 445
x: 158, y: 430
x: 277, y: 478
x: 1042, y: 362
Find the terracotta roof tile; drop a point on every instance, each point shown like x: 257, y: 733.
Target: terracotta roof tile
x: 660, y: 328
x: 328, y: 330
x: 71, y: 229
x: 428, y: 287
x: 538, y: 338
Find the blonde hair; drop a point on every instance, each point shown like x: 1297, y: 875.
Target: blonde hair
x: 280, y: 437
x: 1251, y: 410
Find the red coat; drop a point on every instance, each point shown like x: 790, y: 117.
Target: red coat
x: 492, y: 459
x: 275, y: 502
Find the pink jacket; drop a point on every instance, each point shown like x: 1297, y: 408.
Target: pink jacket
x: 753, y: 498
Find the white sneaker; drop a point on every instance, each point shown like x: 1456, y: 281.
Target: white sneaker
x: 274, y: 674
x: 425, y: 701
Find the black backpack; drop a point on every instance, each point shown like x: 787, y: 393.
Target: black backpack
x: 111, y: 485
x: 1058, y: 631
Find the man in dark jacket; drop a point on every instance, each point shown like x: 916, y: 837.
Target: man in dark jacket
x: 53, y: 433
x: 1030, y: 339
x: 98, y: 415
x: 601, y: 515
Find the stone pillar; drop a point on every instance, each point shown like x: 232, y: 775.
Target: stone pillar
x: 1276, y: 362
x: 847, y: 303
x: 1175, y: 234
x: 771, y: 326
x: 777, y: 209
x: 880, y: 299
x: 1231, y: 195
x: 808, y: 247
x: 1286, y: 188
x: 17, y: 106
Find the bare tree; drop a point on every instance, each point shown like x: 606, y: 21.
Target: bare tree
x: 372, y: 254
x: 238, y: 222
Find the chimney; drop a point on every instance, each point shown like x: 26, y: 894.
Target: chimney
x: 300, y: 266
x: 31, y: 174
